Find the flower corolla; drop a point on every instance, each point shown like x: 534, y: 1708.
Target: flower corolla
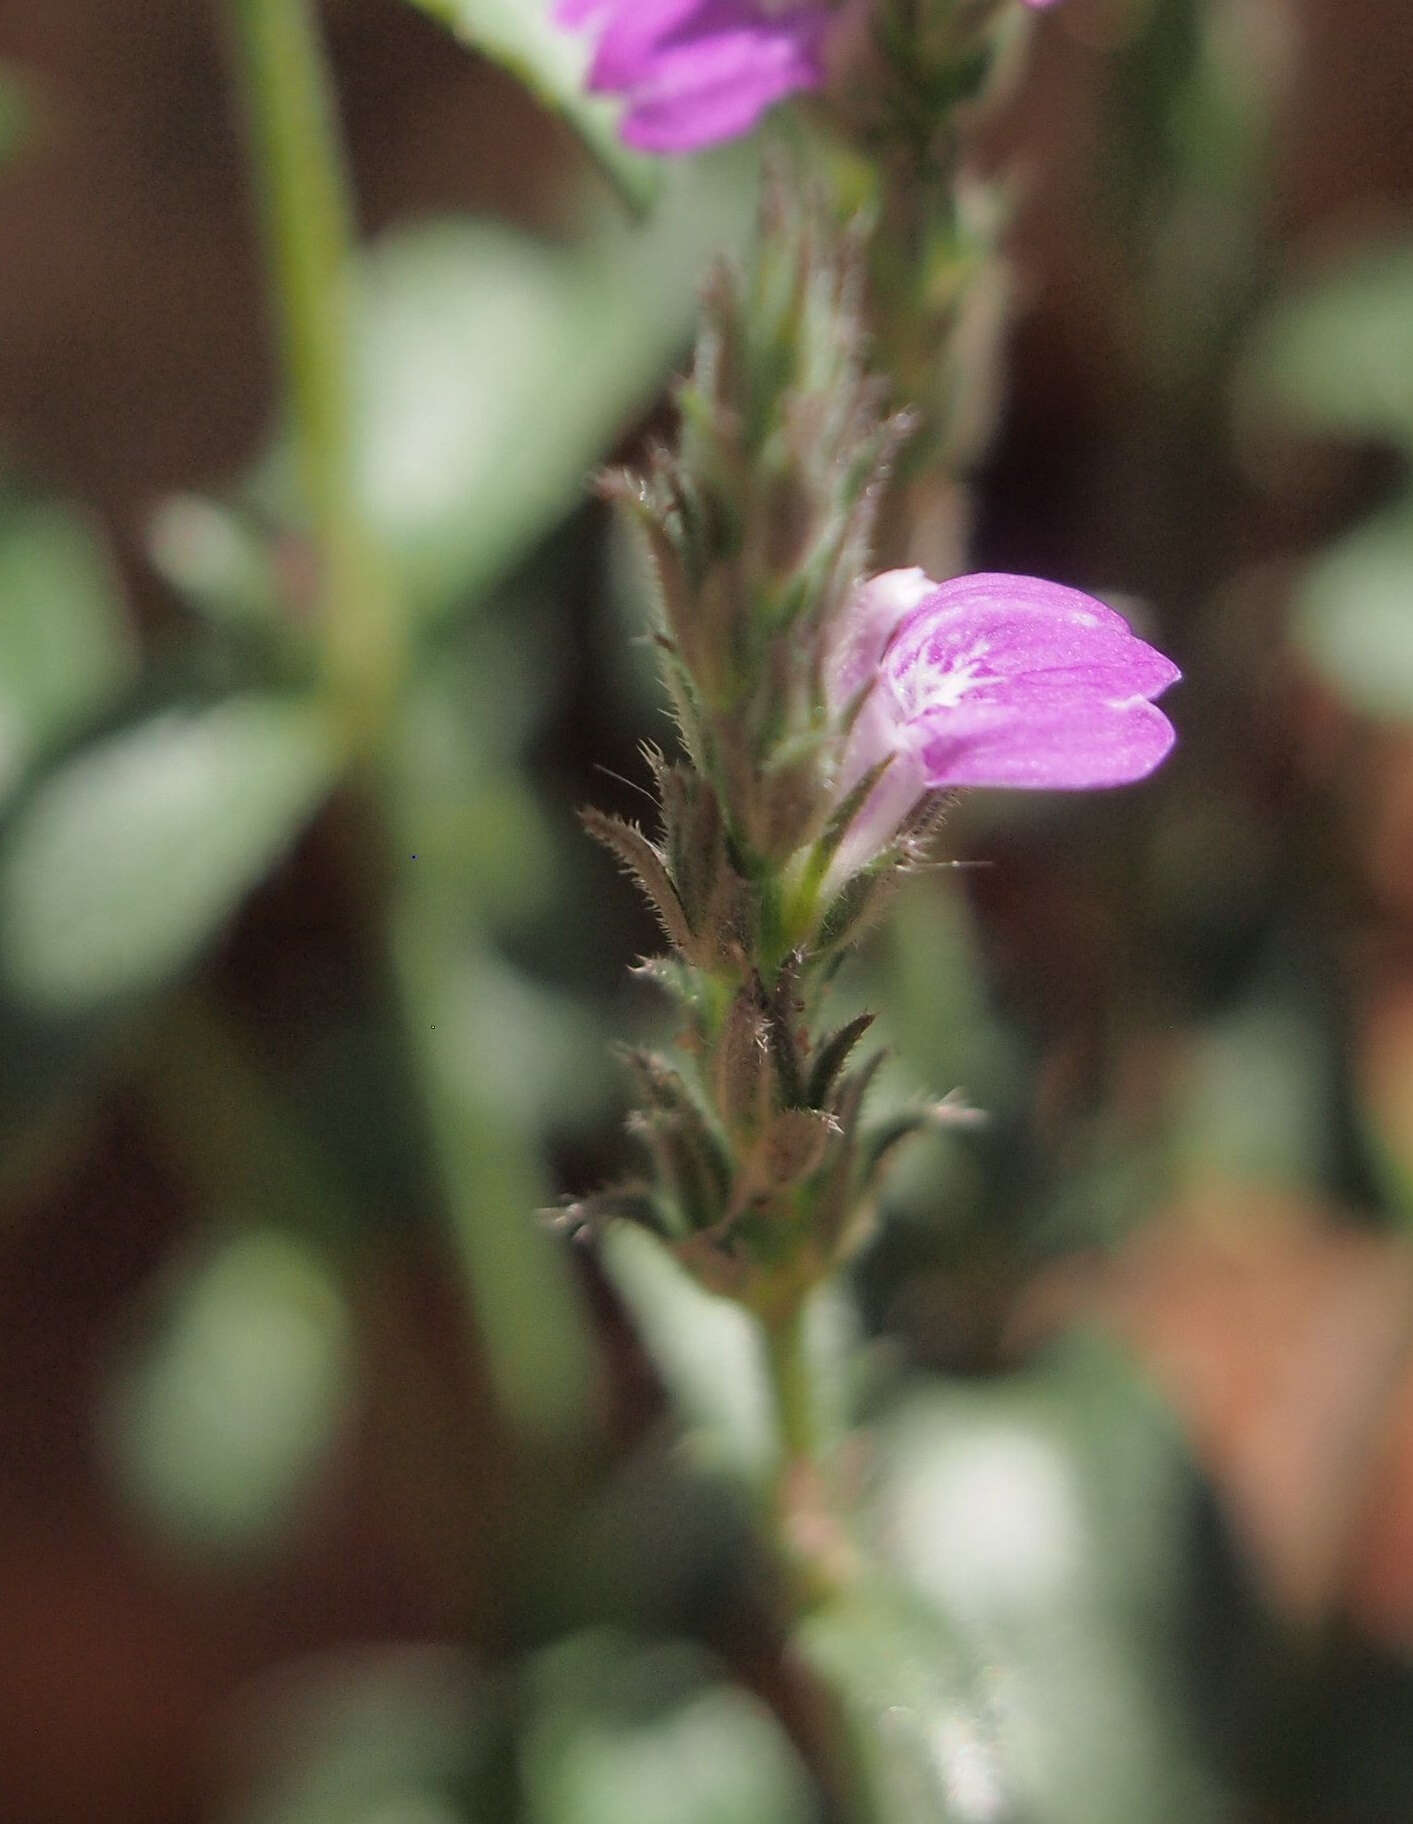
x: 695, y: 72
x: 985, y: 680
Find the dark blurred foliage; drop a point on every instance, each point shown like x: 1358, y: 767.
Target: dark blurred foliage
x: 1140, y: 1369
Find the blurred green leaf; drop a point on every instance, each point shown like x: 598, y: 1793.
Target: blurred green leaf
x: 215, y: 560
x: 227, y: 1407
x: 490, y: 1049
x: 545, y: 1070
x: 1338, y: 351
x: 483, y: 851
x: 495, y: 371
x: 919, y: 1723
x: 1353, y: 614
x: 127, y: 857
x: 707, y: 1349
x: 64, y: 646
x: 552, y: 63
x: 710, y: 1353
x: 1041, y: 1522
x: 935, y: 998
x: 526, y: 1305
x: 377, y: 1735
x: 1253, y: 1100
x: 646, y: 1732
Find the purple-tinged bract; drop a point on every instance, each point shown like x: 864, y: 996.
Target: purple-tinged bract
x: 696, y: 72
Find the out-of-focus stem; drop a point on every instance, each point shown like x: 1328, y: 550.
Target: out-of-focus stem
x: 816, y: 1551
x: 528, y: 1317
x: 787, y: 1358
x: 306, y: 215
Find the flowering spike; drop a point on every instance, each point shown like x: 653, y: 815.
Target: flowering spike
x: 825, y: 720
x: 758, y: 526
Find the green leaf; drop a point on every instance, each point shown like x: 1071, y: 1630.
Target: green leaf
x: 223, y: 568
x: 920, y: 1725
x: 126, y: 859
x: 1354, y: 615
x: 552, y: 63
x: 495, y: 371
x: 627, y: 1730
x: 711, y: 1355
x: 708, y: 1350
x: 1040, y: 1521
x: 528, y: 1314
x: 1253, y: 1102
x: 1339, y: 351
x: 64, y: 647
x: 496, y: 1054
x: 224, y: 1411
x: 371, y: 1732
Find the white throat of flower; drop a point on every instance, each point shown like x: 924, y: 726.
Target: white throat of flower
x: 925, y: 688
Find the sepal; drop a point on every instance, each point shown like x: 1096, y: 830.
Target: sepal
x: 842, y: 1217
x: 831, y: 1057
x: 645, y: 864
x: 713, y: 896
x: 688, y: 1167
x: 692, y: 1166
x: 854, y: 910
x: 743, y: 1071
x: 585, y: 1219
x: 790, y: 1149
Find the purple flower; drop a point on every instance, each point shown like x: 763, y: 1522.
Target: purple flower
x: 987, y: 680
x: 694, y: 72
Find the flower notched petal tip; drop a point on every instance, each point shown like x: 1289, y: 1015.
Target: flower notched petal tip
x: 696, y: 72
x: 988, y: 680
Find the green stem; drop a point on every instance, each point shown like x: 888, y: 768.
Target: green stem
x: 306, y: 214
x: 788, y: 1365
x: 529, y: 1318
x: 816, y: 1551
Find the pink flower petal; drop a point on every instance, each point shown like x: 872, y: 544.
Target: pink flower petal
x: 636, y: 36
x: 1075, y: 747
x: 878, y: 608
x: 985, y: 638
x: 695, y: 72
x: 703, y: 94
x: 987, y: 680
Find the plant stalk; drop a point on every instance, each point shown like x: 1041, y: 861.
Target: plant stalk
x: 528, y: 1316
x: 307, y: 224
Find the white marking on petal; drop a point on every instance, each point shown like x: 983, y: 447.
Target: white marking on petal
x: 928, y: 687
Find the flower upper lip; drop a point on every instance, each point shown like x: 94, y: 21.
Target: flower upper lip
x: 694, y: 72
